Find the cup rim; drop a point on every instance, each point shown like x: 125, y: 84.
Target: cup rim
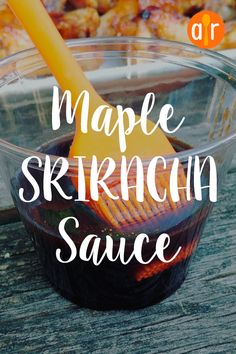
x: 218, y: 58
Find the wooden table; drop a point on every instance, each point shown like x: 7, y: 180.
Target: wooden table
x: 199, y: 318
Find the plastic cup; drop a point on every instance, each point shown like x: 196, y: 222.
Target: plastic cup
x: 199, y: 84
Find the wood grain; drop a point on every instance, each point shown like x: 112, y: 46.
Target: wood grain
x: 199, y: 318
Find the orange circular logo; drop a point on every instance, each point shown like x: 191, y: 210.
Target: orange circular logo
x: 206, y: 29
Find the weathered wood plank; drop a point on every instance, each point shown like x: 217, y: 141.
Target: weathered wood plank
x: 8, y: 216
x: 8, y: 213
x: 199, y: 318
x: 5, y: 200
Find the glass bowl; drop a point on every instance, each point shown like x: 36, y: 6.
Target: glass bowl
x: 199, y: 84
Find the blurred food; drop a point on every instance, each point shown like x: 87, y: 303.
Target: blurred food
x: 79, y: 23
x: 165, y: 19
x: 54, y: 5
x: 12, y: 37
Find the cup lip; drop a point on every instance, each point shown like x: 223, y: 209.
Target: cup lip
x: 219, y: 58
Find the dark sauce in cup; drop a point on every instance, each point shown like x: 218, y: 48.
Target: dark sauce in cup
x: 111, y: 285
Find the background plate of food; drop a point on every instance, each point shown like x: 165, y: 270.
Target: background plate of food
x: 163, y: 19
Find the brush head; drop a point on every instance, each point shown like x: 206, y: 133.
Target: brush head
x: 120, y: 214
x: 132, y: 216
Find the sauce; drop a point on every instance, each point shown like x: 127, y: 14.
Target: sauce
x: 111, y: 285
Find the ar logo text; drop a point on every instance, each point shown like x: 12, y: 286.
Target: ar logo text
x: 206, y: 29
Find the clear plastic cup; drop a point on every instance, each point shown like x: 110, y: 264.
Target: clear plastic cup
x: 201, y: 85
